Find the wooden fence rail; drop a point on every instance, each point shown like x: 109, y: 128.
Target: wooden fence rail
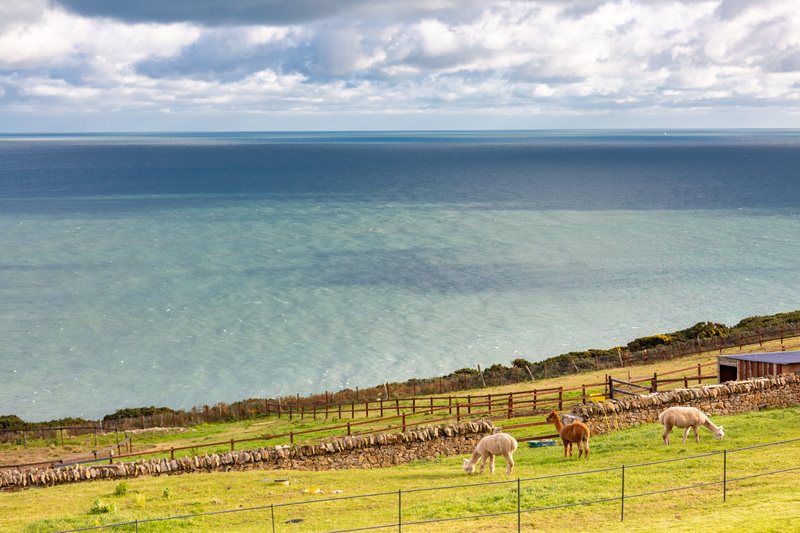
x: 508, y: 405
x: 352, y: 404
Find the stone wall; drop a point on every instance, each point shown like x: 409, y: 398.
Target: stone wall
x: 369, y: 451
x: 728, y: 398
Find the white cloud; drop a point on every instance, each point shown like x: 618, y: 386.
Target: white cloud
x: 510, y: 56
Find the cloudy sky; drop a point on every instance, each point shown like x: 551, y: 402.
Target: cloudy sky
x: 216, y: 65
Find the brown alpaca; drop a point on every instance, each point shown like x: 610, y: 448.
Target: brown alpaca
x: 574, y: 432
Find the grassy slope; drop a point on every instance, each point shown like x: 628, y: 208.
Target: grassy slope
x: 773, y: 499
x: 763, y: 504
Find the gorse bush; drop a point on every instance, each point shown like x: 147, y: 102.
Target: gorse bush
x: 462, y: 379
x: 702, y: 330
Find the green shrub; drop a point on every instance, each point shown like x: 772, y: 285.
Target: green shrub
x: 755, y: 322
x: 652, y: 341
x: 121, y: 489
x: 100, y: 507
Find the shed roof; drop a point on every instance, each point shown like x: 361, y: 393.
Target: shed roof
x: 778, y: 358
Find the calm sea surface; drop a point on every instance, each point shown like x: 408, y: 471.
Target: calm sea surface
x: 184, y: 270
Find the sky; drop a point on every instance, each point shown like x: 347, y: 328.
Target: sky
x: 282, y: 65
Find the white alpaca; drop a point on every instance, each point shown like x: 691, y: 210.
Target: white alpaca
x: 489, y: 446
x: 689, y: 418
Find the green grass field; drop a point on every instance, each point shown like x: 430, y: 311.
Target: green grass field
x: 766, y: 503
x: 437, y: 489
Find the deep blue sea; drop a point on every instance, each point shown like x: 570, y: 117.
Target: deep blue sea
x: 191, y: 269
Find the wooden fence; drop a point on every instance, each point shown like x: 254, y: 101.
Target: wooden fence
x: 348, y: 403
x: 397, y: 415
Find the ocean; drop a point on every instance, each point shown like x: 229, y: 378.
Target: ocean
x: 183, y: 270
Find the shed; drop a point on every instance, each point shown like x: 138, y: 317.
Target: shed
x: 756, y: 365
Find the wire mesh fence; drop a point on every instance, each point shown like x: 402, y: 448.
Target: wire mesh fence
x: 513, y: 499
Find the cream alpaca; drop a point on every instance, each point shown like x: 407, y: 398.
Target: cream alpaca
x: 689, y: 418
x: 489, y: 446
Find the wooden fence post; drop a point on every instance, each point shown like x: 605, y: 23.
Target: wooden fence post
x: 654, y: 384
x: 529, y: 372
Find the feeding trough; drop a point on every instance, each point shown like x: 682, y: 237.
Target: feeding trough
x: 541, y: 443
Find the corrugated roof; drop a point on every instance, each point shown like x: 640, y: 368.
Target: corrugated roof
x: 778, y: 358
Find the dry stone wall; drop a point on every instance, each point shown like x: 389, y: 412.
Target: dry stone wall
x: 369, y: 451
x: 728, y: 398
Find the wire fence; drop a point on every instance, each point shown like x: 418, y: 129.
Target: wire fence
x: 371, y: 401
x: 398, y: 414
x: 519, y: 507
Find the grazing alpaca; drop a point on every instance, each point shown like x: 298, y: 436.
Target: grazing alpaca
x: 571, y: 433
x: 488, y: 447
x: 687, y: 417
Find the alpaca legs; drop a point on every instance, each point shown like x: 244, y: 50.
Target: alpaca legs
x: 686, y: 434
x: 665, y: 436
x: 583, y: 449
x: 509, y: 462
x: 491, y: 464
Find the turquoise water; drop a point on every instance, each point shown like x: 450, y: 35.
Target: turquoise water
x: 149, y: 278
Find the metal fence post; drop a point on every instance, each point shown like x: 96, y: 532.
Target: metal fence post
x: 399, y: 510
x: 724, y: 475
x: 519, y: 514
x: 622, y: 498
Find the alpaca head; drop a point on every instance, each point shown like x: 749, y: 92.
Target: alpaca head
x: 552, y: 417
x: 719, y: 433
x: 468, y: 468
